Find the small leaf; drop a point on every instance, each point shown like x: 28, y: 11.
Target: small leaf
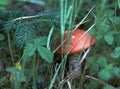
x: 40, y: 78
x: 102, y: 62
x: 46, y: 54
x: 116, y: 53
x: 17, y: 75
x: 103, y: 27
x: 3, y: 80
x: 115, y: 20
x: 104, y: 75
x: 116, y: 72
x: 99, y: 37
x: 92, y: 31
x: 109, y: 12
x: 2, y: 37
x: 94, y: 84
x: 87, y: 86
x: 29, y: 50
x: 10, y: 69
x: 40, y: 41
x: 95, y: 68
x: 20, y: 76
x: 109, y: 39
x: 108, y: 87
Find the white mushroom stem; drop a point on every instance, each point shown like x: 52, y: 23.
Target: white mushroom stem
x: 76, y: 71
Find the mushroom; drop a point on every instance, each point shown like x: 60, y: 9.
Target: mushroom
x: 79, y: 40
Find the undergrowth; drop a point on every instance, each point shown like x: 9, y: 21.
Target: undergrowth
x: 28, y: 58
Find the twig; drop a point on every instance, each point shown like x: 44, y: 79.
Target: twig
x: 102, y: 82
x: 26, y: 17
x: 96, y: 79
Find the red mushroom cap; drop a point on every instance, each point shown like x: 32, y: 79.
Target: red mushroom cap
x: 79, y: 40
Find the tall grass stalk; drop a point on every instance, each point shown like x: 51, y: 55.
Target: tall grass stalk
x: 49, y: 37
x: 67, y: 16
x: 119, y: 4
x: 10, y: 47
x: 34, y: 72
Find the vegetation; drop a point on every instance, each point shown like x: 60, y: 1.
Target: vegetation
x: 28, y: 35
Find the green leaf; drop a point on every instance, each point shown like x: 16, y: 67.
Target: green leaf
x: 94, y: 84
x: 40, y: 41
x: 29, y: 49
x: 10, y: 69
x: 115, y: 20
x: 17, y: 75
x: 87, y: 86
x: 40, y: 78
x: 109, y: 12
x: 104, y: 75
x: 109, y: 72
x: 91, y: 85
x: 116, y: 72
x: 3, y: 80
x: 92, y: 31
x: 116, y: 53
x: 109, y: 39
x: 2, y: 37
x: 46, y: 54
x: 95, y: 68
x: 99, y: 37
x: 108, y: 87
x: 20, y: 77
x: 103, y: 27
x: 102, y: 62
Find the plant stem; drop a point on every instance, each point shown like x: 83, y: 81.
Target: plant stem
x: 10, y: 48
x: 17, y: 85
x: 34, y: 71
